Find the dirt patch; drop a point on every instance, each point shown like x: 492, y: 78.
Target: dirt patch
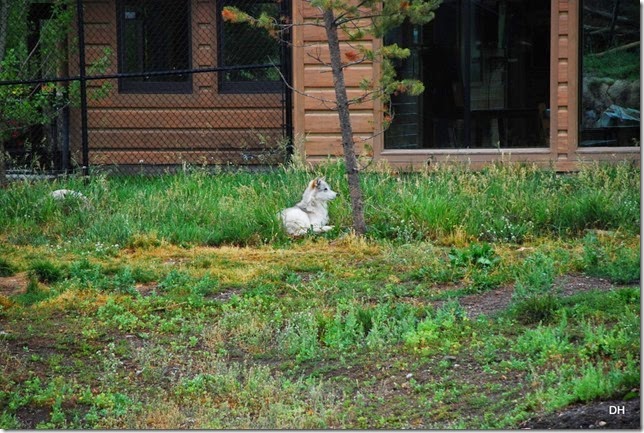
x: 16, y: 284
x: 613, y: 414
x: 39, y: 346
x: 571, y: 284
x: 492, y: 302
x: 147, y: 289
x: 306, y: 277
x: 224, y: 296
x: 30, y: 416
x: 487, y: 303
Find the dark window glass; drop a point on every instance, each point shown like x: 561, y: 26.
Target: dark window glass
x: 244, y: 45
x: 610, y: 73
x: 155, y: 37
x: 485, y: 66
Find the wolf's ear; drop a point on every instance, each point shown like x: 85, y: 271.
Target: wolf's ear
x: 314, y: 183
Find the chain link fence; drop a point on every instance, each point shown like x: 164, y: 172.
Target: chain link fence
x: 140, y: 86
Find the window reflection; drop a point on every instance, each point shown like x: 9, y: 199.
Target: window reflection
x: 610, y: 90
x: 485, y: 66
x: 154, y: 37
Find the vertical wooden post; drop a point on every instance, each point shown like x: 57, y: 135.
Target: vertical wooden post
x: 80, y: 20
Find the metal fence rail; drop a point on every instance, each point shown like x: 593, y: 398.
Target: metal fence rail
x: 141, y: 86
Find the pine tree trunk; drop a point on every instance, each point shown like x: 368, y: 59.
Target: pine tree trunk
x: 348, y: 147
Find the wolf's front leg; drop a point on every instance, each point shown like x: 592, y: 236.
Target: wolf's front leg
x: 321, y: 229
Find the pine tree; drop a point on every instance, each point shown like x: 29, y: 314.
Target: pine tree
x: 357, y: 18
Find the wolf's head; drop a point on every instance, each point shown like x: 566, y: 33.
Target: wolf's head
x: 318, y: 191
x: 321, y: 190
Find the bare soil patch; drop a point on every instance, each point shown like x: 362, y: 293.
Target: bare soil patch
x: 14, y: 284
x: 494, y: 301
x: 31, y: 416
x: 601, y: 415
x: 146, y: 289
x: 225, y: 295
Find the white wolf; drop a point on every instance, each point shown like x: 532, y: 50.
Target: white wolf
x: 61, y: 195
x: 311, y: 212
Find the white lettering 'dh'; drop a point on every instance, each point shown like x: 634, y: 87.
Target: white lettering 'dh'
x: 617, y: 410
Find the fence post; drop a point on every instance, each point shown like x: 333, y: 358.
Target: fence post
x: 83, y: 84
x: 287, y: 72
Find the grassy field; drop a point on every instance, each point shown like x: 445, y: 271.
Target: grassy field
x: 477, y: 300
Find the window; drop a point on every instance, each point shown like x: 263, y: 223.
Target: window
x: 485, y: 66
x: 610, y: 73
x: 154, y: 36
x: 243, y: 45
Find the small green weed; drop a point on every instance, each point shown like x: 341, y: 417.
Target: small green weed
x: 603, y: 381
x: 175, y: 279
x: 480, y: 255
x: 116, y: 315
x: 441, y: 332
x: 300, y: 337
x: 45, y: 271
x: 123, y: 282
x: 611, y: 258
x: 7, y: 269
x: 85, y: 273
x: 33, y: 294
x: 534, y: 299
x: 481, y: 263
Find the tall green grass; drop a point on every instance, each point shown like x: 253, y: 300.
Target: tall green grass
x: 502, y: 203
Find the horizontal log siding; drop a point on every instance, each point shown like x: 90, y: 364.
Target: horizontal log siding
x: 201, y: 127
x: 322, y: 139
x: 316, y: 122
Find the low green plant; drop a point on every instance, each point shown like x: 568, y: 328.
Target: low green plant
x: 7, y: 269
x: 483, y: 280
x: 299, y: 337
x: 124, y: 281
x: 143, y: 275
x: 175, y: 279
x: 115, y: 315
x: 86, y: 273
x: 45, y: 271
x: 536, y: 309
x: 603, y: 381
x: 544, y: 344
x: 480, y: 263
x: 33, y: 294
x: 611, y: 258
x: 204, y: 286
x: 441, y: 332
x: 535, y: 299
x: 479, y: 255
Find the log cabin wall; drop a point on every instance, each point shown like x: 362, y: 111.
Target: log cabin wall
x: 200, y: 126
x: 318, y: 125
x: 207, y: 126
